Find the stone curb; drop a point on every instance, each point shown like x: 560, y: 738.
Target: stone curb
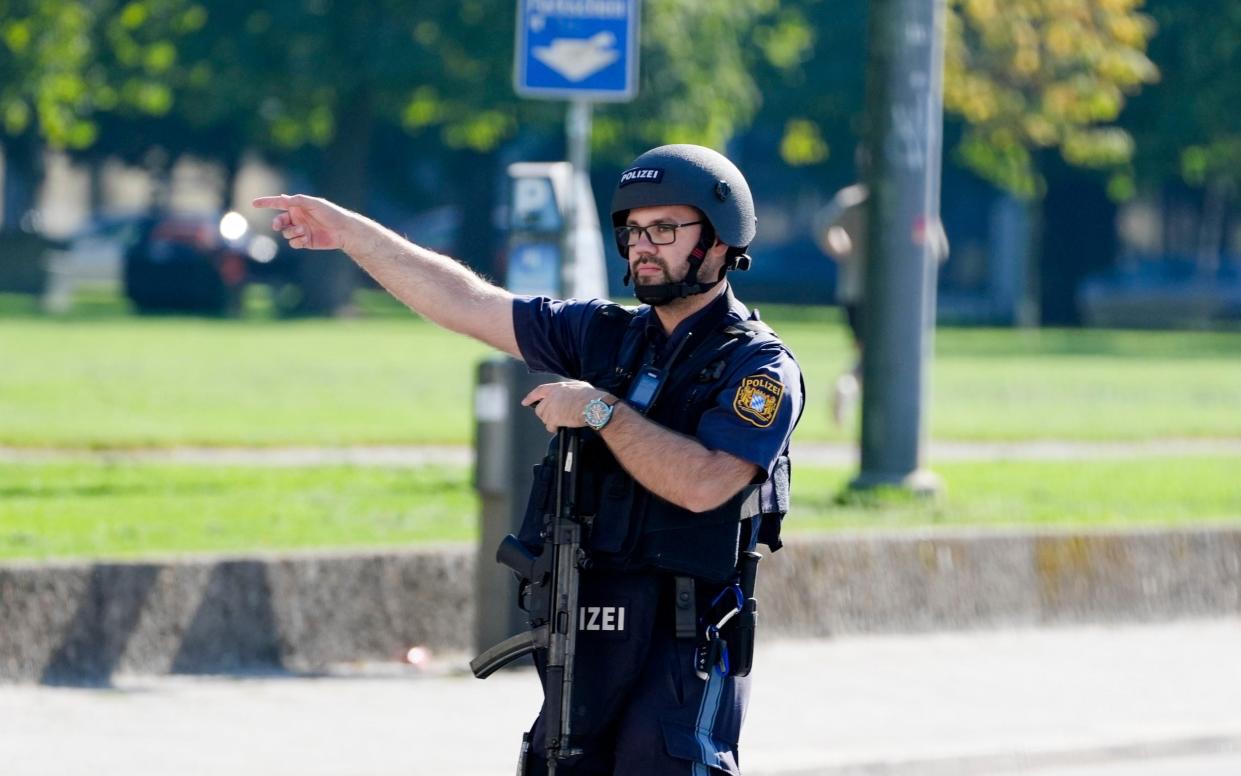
x: 70, y: 622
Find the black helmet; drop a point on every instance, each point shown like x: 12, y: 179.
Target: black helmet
x: 699, y: 177
x: 689, y: 175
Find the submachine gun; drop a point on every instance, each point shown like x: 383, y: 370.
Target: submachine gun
x: 549, y: 594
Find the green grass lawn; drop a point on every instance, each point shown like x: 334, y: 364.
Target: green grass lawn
x: 1141, y: 491
x: 100, y: 378
x: 119, y: 381
x: 103, y: 379
x: 129, y: 510
x: 1072, y: 384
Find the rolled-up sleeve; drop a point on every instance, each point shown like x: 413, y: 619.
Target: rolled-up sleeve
x: 550, y: 332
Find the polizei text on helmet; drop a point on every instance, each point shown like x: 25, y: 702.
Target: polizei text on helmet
x: 641, y: 175
x: 596, y: 9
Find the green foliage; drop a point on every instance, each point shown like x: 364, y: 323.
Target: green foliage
x: 696, y: 83
x: 62, y: 63
x: 1032, y: 74
x: 1189, y: 125
x: 1023, y: 75
x: 43, y: 58
x: 810, y: 59
x: 294, y: 70
x: 293, y: 74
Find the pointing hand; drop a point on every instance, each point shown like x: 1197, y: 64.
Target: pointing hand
x: 308, y: 222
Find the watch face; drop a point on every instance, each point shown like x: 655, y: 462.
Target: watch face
x: 597, y: 413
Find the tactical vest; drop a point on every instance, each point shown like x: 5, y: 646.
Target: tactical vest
x: 630, y: 528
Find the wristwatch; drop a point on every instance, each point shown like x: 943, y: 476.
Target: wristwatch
x: 597, y: 413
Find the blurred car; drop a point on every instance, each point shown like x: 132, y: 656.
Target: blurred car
x: 94, y: 255
x: 1163, y: 292
x: 196, y: 263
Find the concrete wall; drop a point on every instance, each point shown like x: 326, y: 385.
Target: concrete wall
x: 906, y: 582
x: 81, y: 622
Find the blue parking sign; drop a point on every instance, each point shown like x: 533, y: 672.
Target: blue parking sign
x: 577, y: 49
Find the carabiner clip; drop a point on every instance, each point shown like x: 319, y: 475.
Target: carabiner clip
x: 740, y: 605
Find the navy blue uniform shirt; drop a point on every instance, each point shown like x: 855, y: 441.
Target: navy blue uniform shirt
x: 551, y: 337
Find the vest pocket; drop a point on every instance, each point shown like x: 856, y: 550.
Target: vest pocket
x: 539, y: 504
x: 774, y: 503
x: 611, y: 525
x: 702, y: 545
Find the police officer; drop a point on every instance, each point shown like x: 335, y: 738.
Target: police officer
x: 687, y: 404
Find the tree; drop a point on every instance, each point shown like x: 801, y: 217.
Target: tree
x: 701, y: 77
x: 315, y: 80
x: 1187, y: 131
x: 64, y: 63
x: 1022, y: 76
x: 42, y: 58
x: 1039, y: 84
x: 1188, y: 127
x: 811, y: 59
x: 1027, y: 75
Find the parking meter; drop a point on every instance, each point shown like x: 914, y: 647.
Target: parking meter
x: 537, y: 239
x: 554, y: 248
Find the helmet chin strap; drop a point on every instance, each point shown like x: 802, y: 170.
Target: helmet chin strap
x: 660, y: 294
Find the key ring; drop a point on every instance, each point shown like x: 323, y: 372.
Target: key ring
x: 712, y: 634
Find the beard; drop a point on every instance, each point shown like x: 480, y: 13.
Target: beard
x: 652, y: 279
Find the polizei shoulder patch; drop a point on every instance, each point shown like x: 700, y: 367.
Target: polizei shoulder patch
x: 757, y: 400
x: 641, y: 175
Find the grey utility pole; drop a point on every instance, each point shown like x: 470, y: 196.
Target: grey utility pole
x: 904, y: 107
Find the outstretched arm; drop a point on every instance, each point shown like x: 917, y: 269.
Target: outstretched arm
x: 434, y: 286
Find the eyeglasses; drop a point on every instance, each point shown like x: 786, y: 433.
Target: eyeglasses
x: 657, y: 234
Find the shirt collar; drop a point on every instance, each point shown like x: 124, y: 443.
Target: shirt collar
x: 723, y: 307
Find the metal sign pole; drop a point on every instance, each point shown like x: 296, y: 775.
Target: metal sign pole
x: 577, y: 132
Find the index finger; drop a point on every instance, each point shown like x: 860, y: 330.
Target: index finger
x: 281, y: 201
x: 535, y: 396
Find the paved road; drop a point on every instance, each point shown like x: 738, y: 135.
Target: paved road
x: 1139, y: 701
x: 1222, y: 764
